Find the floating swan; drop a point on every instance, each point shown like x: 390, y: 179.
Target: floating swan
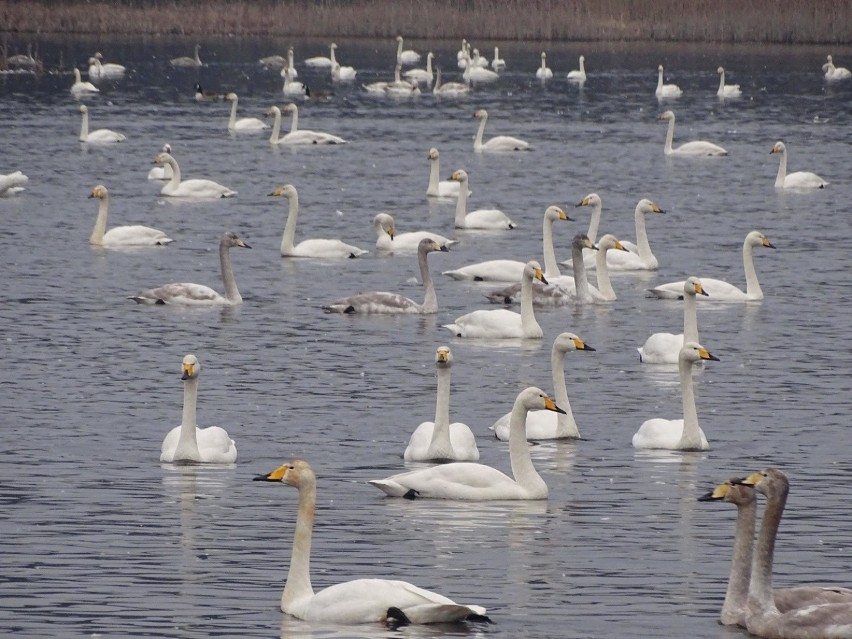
x: 135, y: 235
x: 308, y: 248
x: 440, y: 440
x: 421, y: 75
x: 387, y: 239
x: 678, y: 434
x: 639, y: 256
x: 696, y: 147
x: 502, y: 323
x: 321, y: 61
x: 497, y: 63
x: 162, y: 172
x: 243, y: 124
x: 24, y: 61
x: 198, y: 294
x: 273, y: 62
x: 290, y: 64
x: 543, y: 73
x: 450, y: 89
x: 481, y: 219
x: 478, y: 482
x: 727, y: 90
x: 835, y: 73
x: 666, y: 90
x: 475, y: 71
x: 98, y: 136
x: 578, y: 75
x: 187, y: 442
x: 438, y: 187
x: 392, y: 303
x: 721, y: 291
x: 664, y: 348
x: 342, y: 73
x: 291, y: 86
x: 497, y: 143
x: 195, y: 188
x: 545, y: 424
x: 358, y: 601
x: 408, y: 56
x: 81, y: 88
x: 12, y: 183
x: 797, y: 180
x: 99, y: 70
x: 297, y: 136
x: 186, y: 61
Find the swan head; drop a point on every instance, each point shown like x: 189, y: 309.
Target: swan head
x: 100, y: 192
x: 163, y: 158
x: 566, y: 342
x: 770, y: 482
x: 609, y: 241
x: 231, y: 97
x: 297, y: 473
x: 288, y: 191
x: 532, y: 271
x: 459, y: 176
x: 428, y: 245
x: 756, y: 238
x: 732, y: 492
x: 383, y: 223
x: 480, y: 114
x: 543, y: 55
x: 190, y: 368
x: 333, y: 45
x: 290, y: 108
x: 84, y: 108
x: 433, y: 153
x: 273, y: 110
x: 647, y: 206
x: 399, y: 38
x: 693, y: 286
x: 828, y: 57
x: 98, y: 55
x: 720, y: 70
x: 230, y: 239
x: 592, y: 199
x: 555, y: 213
x: 660, y: 68
x: 533, y: 398
x: 582, y: 241
x: 582, y: 58
x: 694, y: 352
x: 167, y: 148
x: 443, y: 357
x: 779, y: 147
x: 666, y: 115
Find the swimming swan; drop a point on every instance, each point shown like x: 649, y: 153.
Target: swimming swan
x: 297, y: 136
x: 438, y: 187
x: 664, y: 348
x: 135, y: 235
x: 497, y: 63
x: 291, y: 86
x: 666, y: 90
x: 696, y: 147
x: 387, y: 239
x: 80, y: 88
x: 187, y: 442
x: 361, y: 600
x: 12, y: 183
x: 162, y: 172
x: 545, y: 424
x: 678, y: 434
x: 721, y: 291
x: 478, y: 482
x: 186, y: 61
x: 243, y: 125
x: 578, y: 75
x: 727, y: 90
x: 321, y: 61
x: 99, y: 70
x: 450, y: 89
x: 543, y: 72
x: 381, y: 302
x: 198, y: 294
x: 440, y: 440
x: 637, y: 257
x: 407, y: 56
x: 497, y: 143
x: 98, y: 136
x: 421, y: 75
x: 797, y: 180
x: 342, y: 73
x: 195, y: 188
x: 835, y: 73
x: 481, y: 219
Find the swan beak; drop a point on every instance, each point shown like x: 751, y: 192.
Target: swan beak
x: 717, y: 493
x: 92, y: 194
x: 619, y: 246
x: 549, y: 404
x: 767, y: 243
x: 540, y: 276
x: 389, y: 231
x: 276, y: 192
x: 699, y: 289
x: 703, y: 353
x: 443, y: 248
x: 276, y: 475
x: 580, y: 345
x: 564, y: 217
x: 187, y: 372
x: 583, y: 202
x: 774, y: 150
x: 589, y: 244
x: 656, y: 209
x: 242, y: 244
x: 751, y: 480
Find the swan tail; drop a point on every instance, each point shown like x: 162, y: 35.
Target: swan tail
x: 437, y: 613
x: 390, y: 488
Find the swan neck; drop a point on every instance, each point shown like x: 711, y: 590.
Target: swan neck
x: 753, y: 290
x: 566, y: 426
x: 298, y: 584
x: 461, y: 203
x: 430, y: 301
x: 232, y: 122
x: 721, y: 83
x: 84, y: 127
x: 690, y: 318
x: 434, y: 175
x: 519, y: 452
x: 551, y: 267
x: 659, y: 80
x: 669, y: 137
x: 581, y: 282
x: 187, y: 447
x: 781, y: 177
x: 740, y: 573
x: 477, y: 143
x: 174, y: 182
x: 231, y: 291
x: 642, y: 236
x: 604, y: 283
x: 529, y: 325
x: 440, y: 446
x: 294, y: 120
x: 690, y: 438
x: 276, y: 128
x: 583, y: 71
x: 97, y: 236
x: 289, y: 238
x: 760, y: 591
x: 594, y: 223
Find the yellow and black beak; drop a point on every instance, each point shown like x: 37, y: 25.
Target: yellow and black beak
x: 703, y: 353
x: 751, y: 480
x: 539, y: 275
x: 583, y: 202
x: 717, y: 493
x: 580, y: 345
x: 564, y: 216
x: 389, y: 231
x: 187, y: 372
x: 276, y: 475
x: 275, y: 193
x: 699, y: 290
x: 767, y: 243
x: 242, y: 244
x: 656, y: 209
x: 619, y: 246
x: 549, y: 404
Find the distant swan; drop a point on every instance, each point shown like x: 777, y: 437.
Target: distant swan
x: 187, y: 442
x: 450, y: 89
x: 696, y: 147
x: 291, y: 86
x: 195, y: 188
x: 81, y: 88
x: 342, y: 73
x: 497, y: 143
x: 407, y: 56
x: 666, y: 90
x: 664, y: 348
x: 727, y: 90
x: 475, y: 71
x: 186, y: 61
x: 797, y: 180
x: 578, y: 75
x: 543, y: 72
x: 98, y: 136
x: 421, y: 75
x: 163, y: 172
x: 297, y: 136
x: 99, y: 70
x: 481, y: 219
x: 135, y: 235
x: 387, y: 239
x: 12, y: 183
x: 438, y: 187
x: 835, y: 73
x: 243, y: 124
x: 497, y: 63
x: 321, y: 61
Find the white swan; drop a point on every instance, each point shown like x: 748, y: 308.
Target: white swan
x: 361, y: 600
x: 545, y: 424
x: 187, y: 442
x: 342, y: 73
x: 82, y: 88
x: 273, y: 62
x: 450, y: 89
x: 666, y: 90
x: 478, y: 482
x: 797, y: 180
x: 578, y: 75
x: 98, y: 136
x: 473, y: 72
x: 438, y: 187
x: 407, y: 56
x: 297, y: 136
x: 421, y: 75
x: 387, y: 239
x: 321, y: 61
x: 497, y: 63
x: 481, y: 219
x: 727, y: 90
x: 835, y: 73
x: 664, y: 348
x: 381, y: 302
x: 291, y: 86
x: 135, y: 235
x: 678, y: 434
x: 198, y: 294
x: 162, y: 172
x: 719, y: 290
x: 195, y: 188
x: 290, y: 64
x: 637, y: 257
x: 243, y: 125
x: 593, y: 200
x: 497, y: 143
x: 12, y: 183
x: 99, y: 70
x: 320, y: 248
x: 502, y: 323
x: 186, y: 61
x: 696, y: 147
x: 440, y: 440
x: 543, y: 72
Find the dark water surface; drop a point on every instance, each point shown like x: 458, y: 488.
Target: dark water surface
x: 98, y: 538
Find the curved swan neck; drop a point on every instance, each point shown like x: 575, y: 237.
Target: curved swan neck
x: 288, y: 240
x: 604, y: 283
x: 690, y: 318
x: 461, y: 202
x: 232, y: 122
x: 740, y: 573
x: 753, y: 290
x: 782, y: 170
x: 642, y: 235
x: 551, y: 266
x: 594, y: 222
x: 690, y: 438
x: 430, y: 301
x: 581, y: 282
x: 528, y: 322
x: 440, y: 445
x: 97, y: 236
x: 187, y: 447
x: 669, y: 137
x: 230, y: 281
x: 760, y: 591
x: 566, y: 426
x: 477, y: 143
x: 84, y: 127
x: 519, y: 452
x: 175, y: 181
x: 276, y: 126
x: 298, y: 583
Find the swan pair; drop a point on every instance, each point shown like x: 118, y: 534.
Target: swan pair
x: 243, y: 125
x: 797, y: 180
x: 296, y: 136
x: 98, y: 136
x: 186, y: 61
x: 498, y: 143
x: 664, y: 348
x: 121, y: 236
x: 666, y: 90
x: 195, y: 188
x: 727, y: 90
x: 833, y: 73
x: 12, y: 183
x: 100, y: 70
x: 387, y: 239
x: 694, y: 148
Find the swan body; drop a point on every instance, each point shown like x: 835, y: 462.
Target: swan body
x: 273, y: 62
x: 449, y: 89
x: 98, y: 136
x: 243, y: 125
x: 82, y: 88
x: 696, y: 147
x: 163, y: 172
x: 475, y: 71
x: 297, y: 136
x: 24, y: 61
x: 666, y: 90
x: 438, y: 187
x: 342, y: 73
x: 12, y: 183
x: 578, y: 75
x: 381, y: 302
x: 318, y: 248
x: 186, y: 61
x: 291, y: 86
x: 421, y: 75
x: 833, y: 73
x: 545, y: 424
x: 719, y: 290
x: 497, y: 143
x: 440, y: 440
x: 358, y: 601
x: 664, y: 348
x: 480, y: 219
x: 198, y: 294
x: 321, y: 61
x: 797, y: 180
x: 407, y: 56
x: 195, y: 188
x: 543, y: 72
x: 502, y: 323
x: 727, y: 90
x: 118, y: 236
x: 187, y: 442
x: 101, y: 71
x: 497, y: 63
x: 478, y: 482
x: 387, y: 239
x: 678, y: 434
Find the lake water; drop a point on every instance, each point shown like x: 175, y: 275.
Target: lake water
x: 98, y: 538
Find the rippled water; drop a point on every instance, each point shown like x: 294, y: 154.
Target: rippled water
x: 98, y: 537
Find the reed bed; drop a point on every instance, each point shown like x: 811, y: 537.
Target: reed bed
x: 816, y: 21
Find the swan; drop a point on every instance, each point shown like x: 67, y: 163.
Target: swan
x: 478, y: 482
x: 273, y: 62
x: 186, y: 61
x: 727, y: 90
x: 308, y: 248
x: 400, y: 88
x: 101, y: 71
x: 98, y: 136
x: 24, y: 61
x: 408, y: 56
x: 438, y: 187
x: 543, y: 73
x: 497, y: 143
x: 342, y: 73
x: 121, y: 235
x: 187, y: 442
x: 797, y: 180
x: 321, y: 61
x: 475, y: 73
x: 502, y: 323
x: 481, y: 219
x: 666, y: 90
x: 479, y: 60
x: 12, y: 183
x: 291, y: 86
x: 450, y: 89
x: 736, y: 598
x: 388, y: 240
x: 544, y: 424
x: 201, y: 95
x: 462, y: 52
x: 393, y: 303
x: 721, y: 291
x: 361, y: 600
x: 639, y: 256
x: 82, y: 88
x: 678, y: 434
x: 243, y: 124
x: 297, y: 136
x: 195, y: 188
x: 198, y: 294
x: 497, y: 63
x: 578, y: 75
x: 162, y: 172
x: 440, y: 440
x: 592, y: 200
x: 421, y: 75
x: 664, y: 348
x: 290, y: 64
x: 696, y: 147
x: 835, y: 73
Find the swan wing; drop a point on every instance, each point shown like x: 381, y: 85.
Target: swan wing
x: 418, y: 443
x: 661, y: 348
x: 498, y: 324
x: 135, y: 235
x: 458, y: 480
x: 200, y: 188
x: 180, y: 293
x: 379, y: 302
x: 105, y: 136
x: 215, y: 445
x: 544, y: 295
x: 323, y: 248
x: 792, y: 598
x: 540, y: 424
x: 408, y: 242
x: 505, y: 143
x: 490, y: 271
x: 250, y: 124
x: 488, y: 219
x: 663, y: 434
x: 699, y: 147
x: 463, y: 442
x: 804, y: 180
